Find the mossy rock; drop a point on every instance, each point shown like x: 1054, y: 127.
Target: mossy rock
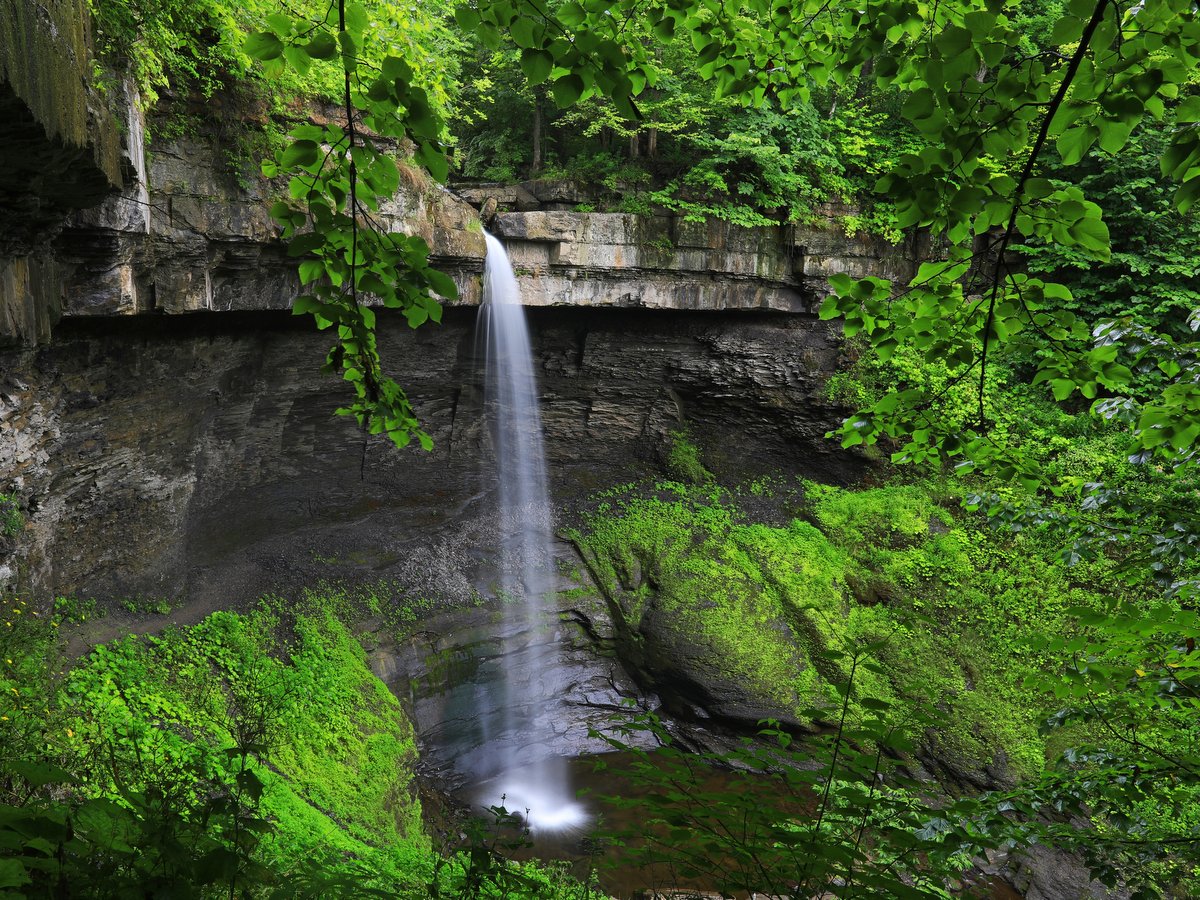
x: 736, y: 621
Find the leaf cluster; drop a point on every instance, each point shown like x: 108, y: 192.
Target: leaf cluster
x: 340, y: 177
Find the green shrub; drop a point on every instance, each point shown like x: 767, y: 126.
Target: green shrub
x: 238, y: 721
x: 683, y: 460
x: 948, y: 602
x: 12, y: 520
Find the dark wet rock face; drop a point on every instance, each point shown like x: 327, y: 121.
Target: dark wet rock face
x: 60, y: 152
x: 200, y: 456
x: 1045, y: 873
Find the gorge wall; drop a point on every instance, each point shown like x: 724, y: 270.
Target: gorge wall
x: 172, y: 436
x: 174, y: 456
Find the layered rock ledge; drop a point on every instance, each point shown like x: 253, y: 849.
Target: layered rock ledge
x: 60, y: 152
x: 177, y: 229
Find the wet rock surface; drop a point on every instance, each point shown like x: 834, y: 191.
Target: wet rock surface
x: 451, y: 675
x: 61, y: 152
x: 199, y: 456
x: 1045, y: 873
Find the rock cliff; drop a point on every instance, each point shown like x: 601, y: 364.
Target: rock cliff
x: 172, y: 435
x: 173, y: 456
x: 60, y: 153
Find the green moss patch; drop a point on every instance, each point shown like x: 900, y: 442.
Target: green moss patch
x: 773, y: 608
x: 167, y: 716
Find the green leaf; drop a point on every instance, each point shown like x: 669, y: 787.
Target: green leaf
x: 13, y: 874
x: 536, y: 65
x: 420, y: 118
x: 322, y: 46
x: 522, y: 32
x: 442, y: 284
x: 468, y: 19
x: 280, y: 24
x: 356, y: 17
x: 395, y: 68
x: 263, y: 45
x: 297, y: 58
x: 416, y: 315
x: 1115, y: 135
x: 349, y: 51
x: 383, y: 176
x: 39, y: 774
x: 300, y: 153
x: 567, y: 90
x: 1074, y: 143
x: 305, y: 243
x: 1092, y: 234
x: 310, y: 270
x: 1062, y: 388
x: 1067, y: 30
x: 305, y: 304
x: 572, y: 14
x: 432, y: 158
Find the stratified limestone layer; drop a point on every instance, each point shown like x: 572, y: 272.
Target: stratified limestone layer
x: 60, y: 153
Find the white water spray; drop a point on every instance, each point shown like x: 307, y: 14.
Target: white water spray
x: 534, y: 783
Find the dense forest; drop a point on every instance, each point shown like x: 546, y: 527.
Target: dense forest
x: 1011, y: 589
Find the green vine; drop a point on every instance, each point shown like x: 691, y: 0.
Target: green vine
x: 339, y: 174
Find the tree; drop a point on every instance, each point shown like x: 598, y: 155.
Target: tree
x: 989, y: 107
x: 338, y: 176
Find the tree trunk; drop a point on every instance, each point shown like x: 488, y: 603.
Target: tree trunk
x: 634, y: 145
x: 536, y: 165
x: 864, y: 79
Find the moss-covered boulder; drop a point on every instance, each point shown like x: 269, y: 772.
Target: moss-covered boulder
x: 734, y: 621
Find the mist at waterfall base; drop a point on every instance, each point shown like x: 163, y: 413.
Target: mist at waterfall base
x: 518, y: 774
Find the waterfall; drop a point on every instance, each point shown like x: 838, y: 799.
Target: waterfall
x: 532, y: 781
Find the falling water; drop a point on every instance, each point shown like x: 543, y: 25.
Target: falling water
x: 531, y: 779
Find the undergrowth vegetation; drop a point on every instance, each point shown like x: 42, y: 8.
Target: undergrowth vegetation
x: 252, y: 748
x: 894, y: 615
x: 248, y: 755
x: 696, y: 154
x: 179, y: 47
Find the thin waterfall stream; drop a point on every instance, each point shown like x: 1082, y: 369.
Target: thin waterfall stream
x: 527, y: 778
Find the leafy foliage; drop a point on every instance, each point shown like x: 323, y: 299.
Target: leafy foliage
x: 182, y: 47
x: 987, y: 107
x: 338, y: 179
x: 974, y: 639
x: 1128, y: 677
x: 12, y: 520
x: 252, y: 754
x: 205, y: 757
x: 691, y: 151
x: 1151, y: 276
x: 836, y: 814
x: 772, y: 608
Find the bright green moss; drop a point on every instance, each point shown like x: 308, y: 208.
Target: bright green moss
x: 944, y: 603
x: 884, y: 518
x: 336, y: 750
x: 683, y: 460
